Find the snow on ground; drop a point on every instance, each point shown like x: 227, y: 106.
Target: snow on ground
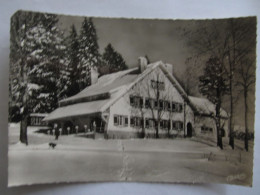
x: 80, y: 159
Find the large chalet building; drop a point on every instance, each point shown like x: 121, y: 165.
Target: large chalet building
x: 138, y: 102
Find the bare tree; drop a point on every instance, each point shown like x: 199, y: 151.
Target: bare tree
x: 139, y: 108
x: 230, y: 41
x: 158, y: 96
x: 246, y: 71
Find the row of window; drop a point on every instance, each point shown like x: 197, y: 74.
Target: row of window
x: 120, y: 120
x: 205, y: 129
x: 137, y: 101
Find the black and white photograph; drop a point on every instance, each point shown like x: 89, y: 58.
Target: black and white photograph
x: 99, y: 99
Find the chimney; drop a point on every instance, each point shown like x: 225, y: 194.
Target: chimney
x: 142, y: 63
x: 169, y: 67
x: 94, y: 75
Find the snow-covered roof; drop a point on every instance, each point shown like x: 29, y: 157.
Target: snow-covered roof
x: 116, y: 85
x: 39, y: 114
x: 205, y: 107
x: 78, y: 109
x: 105, y: 84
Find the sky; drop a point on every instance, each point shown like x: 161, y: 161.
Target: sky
x: 158, y: 39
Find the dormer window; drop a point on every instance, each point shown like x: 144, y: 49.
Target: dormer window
x: 157, y: 85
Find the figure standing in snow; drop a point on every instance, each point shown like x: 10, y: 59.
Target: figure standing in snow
x: 68, y: 130
x: 94, y: 129
x: 57, y: 133
x: 86, y: 128
x: 77, y: 129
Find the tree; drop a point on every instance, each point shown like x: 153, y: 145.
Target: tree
x: 240, y: 43
x: 190, y: 73
x: 89, y: 56
x: 229, y: 40
x: 21, y: 22
x: 246, y: 71
x: 35, y: 57
x: 158, y: 98
x: 113, y: 60
x: 69, y: 73
x: 214, y: 85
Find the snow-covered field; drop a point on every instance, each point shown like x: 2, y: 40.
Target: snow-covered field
x: 147, y: 160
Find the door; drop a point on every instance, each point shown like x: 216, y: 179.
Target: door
x: 189, y: 130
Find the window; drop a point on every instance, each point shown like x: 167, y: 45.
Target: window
x: 205, y: 129
x: 147, y: 123
x: 136, y: 101
x: 174, y: 125
x: 161, y: 124
x: 115, y: 120
x: 147, y: 103
x: 126, y: 121
x: 155, y: 104
x: 153, y: 84
x: 180, y: 107
x: 132, y: 121
x: 161, y: 86
x: 131, y: 100
x: 161, y: 104
x: 177, y: 107
x: 138, y: 122
x: 180, y: 125
x: 169, y: 106
x: 151, y: 123
x: 173, y: 106
x: 157, y: 85
x: 120, y: 120
x: 141, y: 102
x: 165, y: 124
x: 177, y: 125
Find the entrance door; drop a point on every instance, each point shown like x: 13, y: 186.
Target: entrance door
x: 189, y: 130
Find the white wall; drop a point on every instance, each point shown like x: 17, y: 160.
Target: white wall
x: 123, y: 107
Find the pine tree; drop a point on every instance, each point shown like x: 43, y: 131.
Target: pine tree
x: 88, y: 53
x: 21, y: 22
x: 214, y: 85
x: 69, y: 72
x: 113, y: 60
x: 36, y: 50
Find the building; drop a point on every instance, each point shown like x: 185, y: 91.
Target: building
x: 134, y: 103
x: 35, y: 119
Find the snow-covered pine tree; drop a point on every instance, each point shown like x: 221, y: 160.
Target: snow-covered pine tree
x: 70, y: 73
x: 88, y: 52
x: 21, y: 22
x: 214, y: 85
x: 113, y: 60
x: 45, y: 51
x: 36, y: 50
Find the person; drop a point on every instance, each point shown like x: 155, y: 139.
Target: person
x: 57, y: 133
x: 77, y: 129
x: 68, y: 130
x: 94, y: 129
x: 86, y: 128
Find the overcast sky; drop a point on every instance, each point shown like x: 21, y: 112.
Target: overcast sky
x: 159, y: 39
